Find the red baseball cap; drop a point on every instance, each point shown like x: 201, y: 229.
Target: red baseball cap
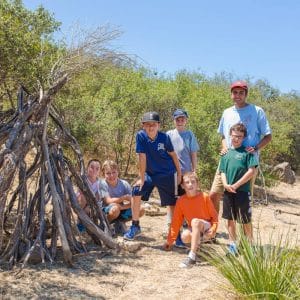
x: 239, y: 84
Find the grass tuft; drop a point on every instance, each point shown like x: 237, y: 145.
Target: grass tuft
x: 263, y: 271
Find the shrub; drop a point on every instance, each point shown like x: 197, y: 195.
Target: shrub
x: 266, y: 271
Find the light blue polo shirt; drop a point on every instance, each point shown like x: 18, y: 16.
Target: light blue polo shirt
x: 252, y: 116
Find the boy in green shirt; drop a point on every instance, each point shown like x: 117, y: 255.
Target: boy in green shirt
x: 237, y: 167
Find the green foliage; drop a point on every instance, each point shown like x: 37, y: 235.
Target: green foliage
x: 103, y: 104
x: 263, y: 271
x: 283, y: 114
x: 108, y: 104
x: 27, y: 50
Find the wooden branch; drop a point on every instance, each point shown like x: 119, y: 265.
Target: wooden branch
x: 87, y: 222
x: 67, y: 254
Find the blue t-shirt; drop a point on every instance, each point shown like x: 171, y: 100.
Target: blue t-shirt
x: 252, y: 116
x: 184, y: 143
x: 158, y: 161
x: 122, y: 188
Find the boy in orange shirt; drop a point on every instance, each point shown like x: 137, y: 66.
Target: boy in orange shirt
x: 200, y: 214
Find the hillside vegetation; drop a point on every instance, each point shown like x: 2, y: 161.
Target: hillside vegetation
x: 102, y: 104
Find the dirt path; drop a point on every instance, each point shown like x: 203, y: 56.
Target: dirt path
x: 150, y: 273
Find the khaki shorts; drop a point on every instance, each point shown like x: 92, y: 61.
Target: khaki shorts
x: 217, y: 185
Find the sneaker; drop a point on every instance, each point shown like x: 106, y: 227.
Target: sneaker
x: 187, y: 263
x: 232, y: 250
x: 132, y: 232
x: 81, y: 227
x: 179, y: 243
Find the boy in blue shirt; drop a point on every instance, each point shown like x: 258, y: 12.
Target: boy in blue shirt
x: 158, y: 167
x: 237, y: 167
x: 185, y: 144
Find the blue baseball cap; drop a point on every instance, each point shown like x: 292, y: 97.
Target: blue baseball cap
x: 180, y: 113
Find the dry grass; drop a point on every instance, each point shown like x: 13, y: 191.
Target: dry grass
x: 150, y: 273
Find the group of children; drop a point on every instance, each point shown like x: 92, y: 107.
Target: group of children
x: 168, y: 161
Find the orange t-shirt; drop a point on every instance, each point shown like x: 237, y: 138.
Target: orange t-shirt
x: 199, y: 206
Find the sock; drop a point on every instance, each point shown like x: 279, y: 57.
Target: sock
x: 192, y: 255
x: 136, y: 223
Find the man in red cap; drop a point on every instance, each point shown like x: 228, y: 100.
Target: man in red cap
x: 256, y: 123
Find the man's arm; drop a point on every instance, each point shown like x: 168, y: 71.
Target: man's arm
x: 263, y: 143
x: 224, y: 148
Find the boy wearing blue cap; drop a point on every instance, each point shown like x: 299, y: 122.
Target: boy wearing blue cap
x: 186, y: 147
x: 158, y: 167
x: 184, y: 142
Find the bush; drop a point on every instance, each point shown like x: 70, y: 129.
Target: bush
x: 269, y: 271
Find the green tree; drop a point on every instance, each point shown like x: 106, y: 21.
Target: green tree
x: 27, y: 49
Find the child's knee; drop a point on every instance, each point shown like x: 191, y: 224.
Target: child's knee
x: 186, y: 236
x: 196, y: 222
x: 114, y: 212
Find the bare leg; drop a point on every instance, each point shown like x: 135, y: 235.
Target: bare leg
x: 232, y: 230
x: 113, y: 213
x: 215, y: 198
x: 170, y: 211
x: 136, y: 207
x: 186, y: 236
x: 142, y: 212
x: 197, y: 229
x: 248, y: 231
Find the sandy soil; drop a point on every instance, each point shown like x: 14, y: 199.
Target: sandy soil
x: 149, y: 273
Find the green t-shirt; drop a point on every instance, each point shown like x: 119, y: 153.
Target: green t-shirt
x: 235, y: 163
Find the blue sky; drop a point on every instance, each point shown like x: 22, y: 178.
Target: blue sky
x: 259, y: 39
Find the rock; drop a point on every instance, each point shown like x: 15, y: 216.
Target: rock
x: 285, y: 172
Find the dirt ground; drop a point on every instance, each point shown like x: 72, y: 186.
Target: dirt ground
x: 149, y: 273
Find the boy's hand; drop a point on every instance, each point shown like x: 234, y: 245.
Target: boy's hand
x: 140, y: 183
x: 229, y: 188
x: 167, y: 247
